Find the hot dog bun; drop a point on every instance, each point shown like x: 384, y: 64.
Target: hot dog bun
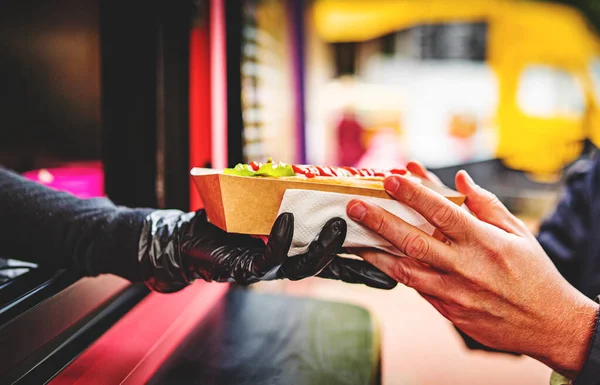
x: 353, y: 181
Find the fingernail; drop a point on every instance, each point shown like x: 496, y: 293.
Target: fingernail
x: 357, y: 211
x: 391, y: 184
x: 469, y: 180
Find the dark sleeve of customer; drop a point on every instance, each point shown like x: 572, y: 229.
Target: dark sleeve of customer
x: 566, y: 234
x: 48, y: 227
x: 590, y: 373
x: 570, y: 238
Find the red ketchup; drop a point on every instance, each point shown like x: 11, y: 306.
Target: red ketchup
x: 303, y: 170
x: 399, y: 171
x: 366, y: 172
x: 341, y: 171
x: 353, y: 171
x: 255, y: 166
x: 325, y: 171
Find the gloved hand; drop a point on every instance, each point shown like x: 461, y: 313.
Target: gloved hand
x: 176, y: 248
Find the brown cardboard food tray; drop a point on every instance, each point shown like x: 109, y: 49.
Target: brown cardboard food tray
x: 249, y: 205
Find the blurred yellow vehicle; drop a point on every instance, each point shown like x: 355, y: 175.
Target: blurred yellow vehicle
x: 524, y: 76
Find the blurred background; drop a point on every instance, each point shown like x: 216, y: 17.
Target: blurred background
x: 102, y: 100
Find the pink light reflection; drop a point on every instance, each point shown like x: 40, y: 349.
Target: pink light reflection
x: 84, y: 180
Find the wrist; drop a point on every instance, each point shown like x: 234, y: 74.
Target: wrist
x: 159, y: 250
x: 112, y: 243
x: 572, y: 336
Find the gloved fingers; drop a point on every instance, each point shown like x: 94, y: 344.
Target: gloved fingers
x: 357, y: 271
x: 278, y: 245
x: 320, y: 252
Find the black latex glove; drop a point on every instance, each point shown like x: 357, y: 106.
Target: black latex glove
x: 176, y: 248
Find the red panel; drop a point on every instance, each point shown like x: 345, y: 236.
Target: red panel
x: 218, y: 88
x: 135, y: 347
x: 200, y: 105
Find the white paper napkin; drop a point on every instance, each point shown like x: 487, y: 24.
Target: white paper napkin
x: 312, y: 209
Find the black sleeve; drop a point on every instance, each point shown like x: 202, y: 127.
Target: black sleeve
x: 47, y: 227
x: 565, y: 233
x: 590, y: 373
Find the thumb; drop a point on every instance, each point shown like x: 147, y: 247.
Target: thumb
x: 320, y: 252
x: 486, y: 206
x: 278, y: 245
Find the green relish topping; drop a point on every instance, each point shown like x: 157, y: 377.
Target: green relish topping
x: 275, y: 169
x: 240, y: 170
x: 268, y: 169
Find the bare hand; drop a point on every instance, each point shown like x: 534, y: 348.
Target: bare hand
x: 493, y: 281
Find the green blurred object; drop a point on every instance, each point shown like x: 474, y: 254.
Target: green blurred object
x: 251, y: 338
x: 558, y: 379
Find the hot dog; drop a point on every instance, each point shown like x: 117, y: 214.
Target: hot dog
x: 350, y: 176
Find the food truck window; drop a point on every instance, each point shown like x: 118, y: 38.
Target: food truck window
x: 550, y: 92
x: 452, y: 41
x: 448, y: 41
